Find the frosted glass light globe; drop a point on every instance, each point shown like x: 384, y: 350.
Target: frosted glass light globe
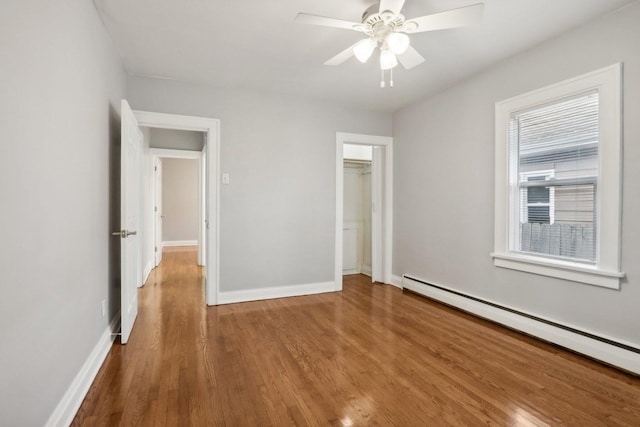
x: 388, y: 60
x: 398, y: 43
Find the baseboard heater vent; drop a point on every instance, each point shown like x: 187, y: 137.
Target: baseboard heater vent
x: 523, y: 314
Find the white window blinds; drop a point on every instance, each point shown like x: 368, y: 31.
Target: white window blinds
x: 553, y: 157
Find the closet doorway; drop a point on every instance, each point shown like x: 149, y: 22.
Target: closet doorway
x: 364, y: 203
x: 357, y: 210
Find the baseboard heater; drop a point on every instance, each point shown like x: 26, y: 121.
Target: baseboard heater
x: 585, y: 334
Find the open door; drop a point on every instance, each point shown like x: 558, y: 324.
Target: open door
x: 157, y: 212
x: 129, y: 212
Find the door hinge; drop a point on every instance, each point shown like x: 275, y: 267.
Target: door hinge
x: 155, y: 168
x: 155, y: 249
x: 155, y: 209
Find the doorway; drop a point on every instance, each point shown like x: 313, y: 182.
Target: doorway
x: 357, y: 230
x: 381, y: 204
x: 177, y: 204
x: 208, y: 161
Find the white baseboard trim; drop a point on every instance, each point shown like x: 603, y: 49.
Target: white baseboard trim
x: 279, y: 292
x: 180, y: 243
x: 147, y: 272
x: 68, y: 406
x: 366, y: 270
x: 603, y: 351
x: 396, y: 281
x: 351, y: 271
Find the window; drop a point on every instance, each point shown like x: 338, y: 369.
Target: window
x: 557, y: 164
x: 561, y: 137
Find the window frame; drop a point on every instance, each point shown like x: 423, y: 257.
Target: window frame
x: 606, y: 269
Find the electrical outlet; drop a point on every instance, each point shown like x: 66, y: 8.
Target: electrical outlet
x: 104, y: 307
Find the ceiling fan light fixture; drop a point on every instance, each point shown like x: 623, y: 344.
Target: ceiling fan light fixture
x: 363, y: 49
x: 388, y: 59
x: 398, y: 43
x: 387, y: 28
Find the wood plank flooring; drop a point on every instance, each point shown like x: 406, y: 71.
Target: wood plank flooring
x: 370, y: 355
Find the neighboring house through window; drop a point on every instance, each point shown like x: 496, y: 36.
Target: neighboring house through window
x: 537, y: 203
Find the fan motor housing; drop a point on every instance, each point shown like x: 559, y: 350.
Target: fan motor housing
x: 379, y: 24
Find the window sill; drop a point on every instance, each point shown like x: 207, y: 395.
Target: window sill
x: 575, y: 272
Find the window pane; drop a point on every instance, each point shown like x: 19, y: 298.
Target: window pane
x: 555, y: 148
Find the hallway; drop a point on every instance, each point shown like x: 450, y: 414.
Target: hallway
x: 369, y: 355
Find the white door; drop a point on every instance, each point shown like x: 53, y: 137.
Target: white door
x: 158, y: 216
x: 376, y: 214
x: 129, y: 213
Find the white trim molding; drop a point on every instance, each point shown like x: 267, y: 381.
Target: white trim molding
x: 166, y: 243
x: 147, y: 272
x: 277, y: 292
x: 175, y: 154
x: 543, y: 329
x: 606, y: 271
x: 68, y: 406
x: 366, y: 270
x: 576, y: 272
x: 396, y: 281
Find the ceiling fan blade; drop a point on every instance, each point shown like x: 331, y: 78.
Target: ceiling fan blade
x: 450, y: 19
x: 410, y: 58
x: 323, y: 21
x: 342, y: 56
x: 394, y: 6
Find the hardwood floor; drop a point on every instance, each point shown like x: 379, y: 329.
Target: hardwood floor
x: 370, y: 355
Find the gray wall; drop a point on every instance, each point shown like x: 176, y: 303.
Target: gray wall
x: 61, y: 88
x: 176, y: 139
x: 444, y: 182
x: 277, y: 219
x: 179, y: 199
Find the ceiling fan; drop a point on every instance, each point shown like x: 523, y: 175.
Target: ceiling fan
x: 386, y: 28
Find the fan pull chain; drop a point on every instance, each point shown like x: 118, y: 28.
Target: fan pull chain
x: 383, y: 83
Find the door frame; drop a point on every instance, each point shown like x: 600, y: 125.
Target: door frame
x: 387, y: 207
x: 169, y: 153
x: 211, y: 128
x: 155, y: 181
x: 377, y: 214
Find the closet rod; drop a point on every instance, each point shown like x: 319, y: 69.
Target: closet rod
x: 359, y: 162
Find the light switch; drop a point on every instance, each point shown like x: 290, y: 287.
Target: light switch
x: 225, y: 178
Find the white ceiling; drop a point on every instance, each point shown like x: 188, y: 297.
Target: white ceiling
x: 256, y: 45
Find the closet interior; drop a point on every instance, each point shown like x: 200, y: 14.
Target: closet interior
x: 357, y: 210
